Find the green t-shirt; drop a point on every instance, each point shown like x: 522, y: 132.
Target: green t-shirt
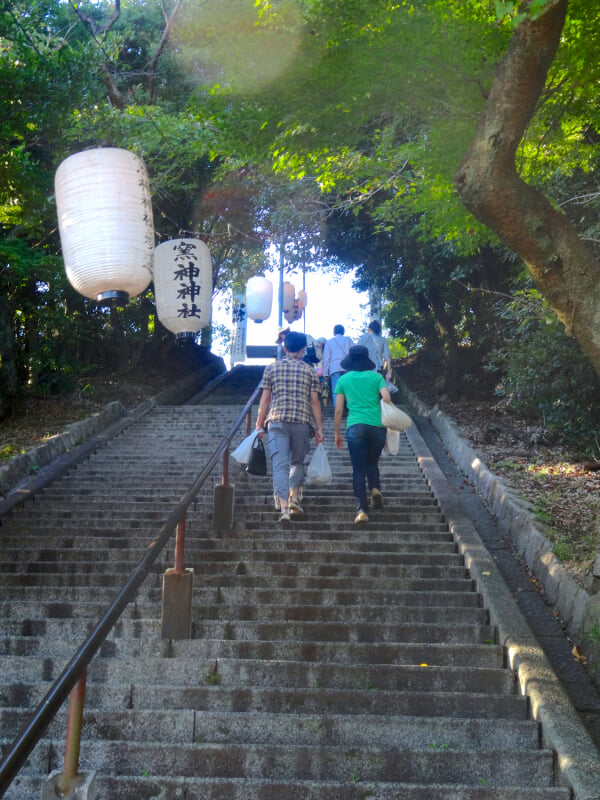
x: 361, y: 390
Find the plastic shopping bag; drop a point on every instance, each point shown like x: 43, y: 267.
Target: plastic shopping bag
x: 319, y: 471
x: 243, y: 451
x: 392, y: 442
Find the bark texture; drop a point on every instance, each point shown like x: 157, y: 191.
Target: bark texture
x: 8, y: 365
x: 566, y: 272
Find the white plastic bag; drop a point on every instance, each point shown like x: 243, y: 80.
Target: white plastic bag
x: 241, y: 454
x: 393, y: 417
x: 392, y: 442
x: 319, y: 471
x: 391, y: 387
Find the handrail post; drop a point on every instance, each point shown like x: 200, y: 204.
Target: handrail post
x: 73, y: 738
x: 179, y: 545
x: 225, y: 473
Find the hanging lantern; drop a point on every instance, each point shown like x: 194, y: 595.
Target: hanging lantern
x: 259, y: 298
x: 105, y: 223
x: 183, y: 285
x: 302, y: 298
x: 295, y: 313
x: 289, y: 294
x: 298, y: 309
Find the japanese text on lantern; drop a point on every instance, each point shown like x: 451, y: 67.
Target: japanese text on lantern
x: 187, y: 271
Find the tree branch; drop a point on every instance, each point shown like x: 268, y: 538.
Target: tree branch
x: 487, y: 181
x: 169, y: 21
x: 91, y: 23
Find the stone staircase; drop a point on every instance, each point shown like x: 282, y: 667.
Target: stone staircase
x: 328, y: 661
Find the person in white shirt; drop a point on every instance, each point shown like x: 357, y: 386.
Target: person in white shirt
x: 335, y: 350
x: 379, y: 349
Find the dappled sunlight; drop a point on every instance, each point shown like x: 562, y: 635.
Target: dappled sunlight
x: 565, y: 496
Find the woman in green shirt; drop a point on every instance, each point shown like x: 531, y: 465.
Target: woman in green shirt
x: 361, y: 388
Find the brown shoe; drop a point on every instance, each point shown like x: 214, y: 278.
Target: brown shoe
x: 376, y: 499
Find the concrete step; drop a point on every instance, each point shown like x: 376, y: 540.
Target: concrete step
x: 443, y: 567
x: 282, y: 700
x: 444, y: 554
x: 363, y: 540
x: 249, y: 596
x: 265, y: 613
x: 261, y: 728
x: 233, y: 673
x: 408, y: 653
x: 168, y: 788
x: 439, y: 581
x: 497, y: 767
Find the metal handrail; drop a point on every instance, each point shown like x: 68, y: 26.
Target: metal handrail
x: 45, y: 712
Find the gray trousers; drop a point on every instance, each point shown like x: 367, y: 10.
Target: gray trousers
x: 289, y: 443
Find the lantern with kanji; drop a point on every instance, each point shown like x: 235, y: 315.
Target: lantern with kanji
x: 259, y: 298
x: 183, y: 285
x: 105, y: 223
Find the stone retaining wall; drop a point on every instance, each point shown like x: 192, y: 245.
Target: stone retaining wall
x: 579, y: 609
x: 26, y: 464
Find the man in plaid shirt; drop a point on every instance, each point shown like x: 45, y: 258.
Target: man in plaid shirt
x: 290, y: 392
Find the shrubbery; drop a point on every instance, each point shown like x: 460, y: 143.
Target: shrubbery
x: 546, y: 375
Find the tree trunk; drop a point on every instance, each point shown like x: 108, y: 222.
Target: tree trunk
x: 566, y: 272
x: 447, y: 334
x: 8, y: 373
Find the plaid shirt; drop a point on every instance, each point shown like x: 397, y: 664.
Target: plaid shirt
x: 291, y: 382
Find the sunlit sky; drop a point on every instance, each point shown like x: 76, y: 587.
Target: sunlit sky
x: 331, y: 301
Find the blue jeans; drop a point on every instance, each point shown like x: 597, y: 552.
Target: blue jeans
x: 289, y: 443
x: 334, y: 378
x: 365, y: 443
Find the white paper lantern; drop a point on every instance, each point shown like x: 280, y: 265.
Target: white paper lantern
x: 302, y: 298
x: 295, y: 313
x: 259, y: 298
x: 183, y: 285
x: 105, y: 223
x: 289, y: 294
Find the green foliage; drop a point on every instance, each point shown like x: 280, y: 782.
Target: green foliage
x: 546, y: 374
x: 332, y: 126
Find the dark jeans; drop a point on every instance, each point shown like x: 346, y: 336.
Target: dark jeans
x: 365, y: 443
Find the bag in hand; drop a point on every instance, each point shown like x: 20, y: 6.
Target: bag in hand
x: 242, y: 452
x: 393, y: 417
x: 257, y: 464
x: 392, y: 442
x: 319, y: 471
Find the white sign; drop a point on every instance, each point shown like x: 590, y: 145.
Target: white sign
x: 239, y: 327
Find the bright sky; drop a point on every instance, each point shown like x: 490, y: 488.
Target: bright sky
x: 331, y: 301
